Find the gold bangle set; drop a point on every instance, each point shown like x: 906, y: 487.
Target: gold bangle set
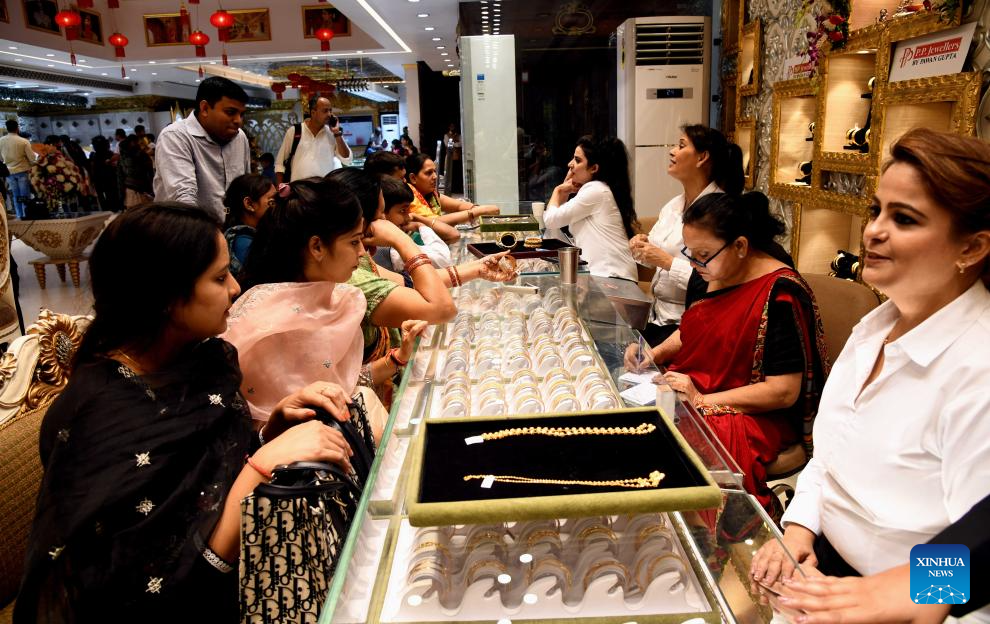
x: 634, y: 557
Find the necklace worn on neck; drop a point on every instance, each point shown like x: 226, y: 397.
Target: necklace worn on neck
x: 639, y: 483
x: 131, y: 362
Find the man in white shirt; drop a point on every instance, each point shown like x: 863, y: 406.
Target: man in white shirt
x: 17, y: 154
x: 316, y: 149
x: 198, y: 157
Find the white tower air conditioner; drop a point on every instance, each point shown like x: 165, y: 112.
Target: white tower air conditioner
x: 664, y: 66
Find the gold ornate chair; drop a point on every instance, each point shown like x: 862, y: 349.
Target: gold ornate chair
x: 32, y: 372
x: 9, y: 325
x: 841, y: 303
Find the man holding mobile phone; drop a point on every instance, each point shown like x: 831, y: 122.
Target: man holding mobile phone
x: 313, y: 148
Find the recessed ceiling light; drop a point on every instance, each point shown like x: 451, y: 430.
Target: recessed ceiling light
x: 429, y: 28
x: 444, y: 53
x: 103, y: 74
x: 422, y: 15
x: 11, y: 47
x: 214, y: 62
x: 441, y: 47
x: 19, y: 60
x: 133, y: 69
x: 413, y: 0
x: 51, y: 66
x: 49, y: 55
x: 154, y: 73
x: 152, y: 62
x: 438, y: 38
x: 197, y: 80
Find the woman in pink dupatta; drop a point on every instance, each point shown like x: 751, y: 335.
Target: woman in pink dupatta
x: 301, y: 323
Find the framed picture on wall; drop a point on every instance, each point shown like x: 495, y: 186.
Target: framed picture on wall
x: 4, y: 15
x: 40, y: 15
x: 250, y: 25
x: 91, y: 27
x: 325, y: 15
x: 165, y: 29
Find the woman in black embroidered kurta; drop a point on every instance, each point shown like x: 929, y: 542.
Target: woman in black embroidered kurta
x: 144, y: 451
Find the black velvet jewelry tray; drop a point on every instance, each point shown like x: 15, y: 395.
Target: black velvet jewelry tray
x: 439, y: 495
x: 548, y: 249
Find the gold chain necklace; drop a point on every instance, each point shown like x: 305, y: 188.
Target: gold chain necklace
x: 651, y: 481
x: 563, y: 432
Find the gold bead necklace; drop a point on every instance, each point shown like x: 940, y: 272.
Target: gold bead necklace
x: 651, y: 481
x: 563, y: 432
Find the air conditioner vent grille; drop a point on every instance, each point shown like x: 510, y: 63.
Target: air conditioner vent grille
x: 670, y: 44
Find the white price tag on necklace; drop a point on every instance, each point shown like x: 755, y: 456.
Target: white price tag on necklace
x: 474, y: 440
x: 488, y: 481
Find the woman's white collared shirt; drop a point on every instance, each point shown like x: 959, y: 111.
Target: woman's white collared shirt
x: 911, y: 454
x: 596, y: 226
x: 670, y: 287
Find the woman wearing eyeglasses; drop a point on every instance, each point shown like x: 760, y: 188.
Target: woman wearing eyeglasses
x: 247, y: 199
x: 749, y: 353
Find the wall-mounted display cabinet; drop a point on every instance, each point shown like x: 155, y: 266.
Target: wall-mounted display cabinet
x: 745, y: 138
x: 748, y: 68
x: 857, y: 115
x: 793, y: 130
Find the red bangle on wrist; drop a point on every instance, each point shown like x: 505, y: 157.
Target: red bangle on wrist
x: 264, y: 473
x: 393, y: 355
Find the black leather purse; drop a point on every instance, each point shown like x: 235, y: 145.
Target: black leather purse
x: 357, y: 432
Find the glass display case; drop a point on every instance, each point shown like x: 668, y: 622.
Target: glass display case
x: 535, y: 346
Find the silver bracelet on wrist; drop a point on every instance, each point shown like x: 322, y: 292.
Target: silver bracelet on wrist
x: 261, y: 436
x: 215, y: 561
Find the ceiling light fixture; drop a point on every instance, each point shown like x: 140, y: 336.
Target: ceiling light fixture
x: 429, y: 28
x: 422, y: 15
x: 11, y: 47
x: 49, y: 55
x: 154, y: 73
x: 441, y: 47
x: 444, y: 53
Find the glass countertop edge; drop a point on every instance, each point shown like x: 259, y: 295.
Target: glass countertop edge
x: 361, y: 514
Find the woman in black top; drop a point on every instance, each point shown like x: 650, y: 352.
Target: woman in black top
x: 146, y: 452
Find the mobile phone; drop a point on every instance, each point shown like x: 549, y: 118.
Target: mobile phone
x: 333, y: 121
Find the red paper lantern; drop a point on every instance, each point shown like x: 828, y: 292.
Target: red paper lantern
x: 278, y: 88
x: 222, y: 20
x: 324, y: 35
x: 69, y: 20
x: 184, y: 16
x: 119, y: 42
x: 199, y: 39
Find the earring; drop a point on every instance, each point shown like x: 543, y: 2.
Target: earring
x: 962, y: 267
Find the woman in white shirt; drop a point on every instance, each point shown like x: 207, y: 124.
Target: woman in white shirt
x: 704, y: 162
x: 601, y: 215
x: 902, y: 439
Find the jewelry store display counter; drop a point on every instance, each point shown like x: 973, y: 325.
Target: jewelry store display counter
x: 538, y: 347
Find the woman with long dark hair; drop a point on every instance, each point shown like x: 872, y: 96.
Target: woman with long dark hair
x: 704, y: 162
x: 247, y: 199
x: 149, y: 449
x: 601, y: 216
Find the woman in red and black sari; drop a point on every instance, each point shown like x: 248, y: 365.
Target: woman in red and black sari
x: 749, y: 353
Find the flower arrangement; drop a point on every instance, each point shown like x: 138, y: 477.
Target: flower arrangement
x: 832, y: 28
x: 55, y: 177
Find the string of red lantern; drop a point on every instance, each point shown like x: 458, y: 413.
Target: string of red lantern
x: 118, y: 40
x: 324, y: 35
x: 222, y: 20
x: 69, y: 20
